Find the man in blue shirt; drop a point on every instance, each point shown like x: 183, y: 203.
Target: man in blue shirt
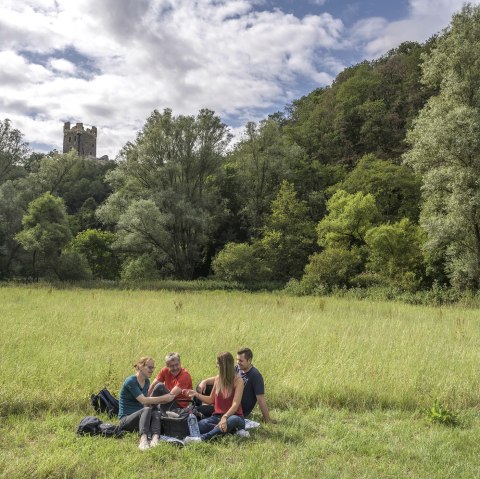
x: 254, y: 390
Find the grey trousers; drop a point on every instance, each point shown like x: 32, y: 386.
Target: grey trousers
x: 146, y: 421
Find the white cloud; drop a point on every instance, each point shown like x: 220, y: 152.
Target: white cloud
x: 425, y: 18
x: 111, y: 63
x: 61, y: 65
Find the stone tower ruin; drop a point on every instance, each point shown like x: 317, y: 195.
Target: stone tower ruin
x: 77, y: 138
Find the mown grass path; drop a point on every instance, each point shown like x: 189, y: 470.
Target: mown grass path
x: 348, y: 382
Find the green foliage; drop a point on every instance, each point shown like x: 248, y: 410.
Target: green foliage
x: 13, y: 151
x: 367, y: 109
x: 72, y: 266
x: 45, y: 230
x: 395, y: 187
x: 288, y: 237
x: 332, y: 268
x: 167, y: 177
x: 261, y: 160
x: 445, y: 150
x: 240, y: 262
x: 142, y: 268
x: 349, y: 217
x: 12, y: 209
x: 96, y: 247
x: 73, y: 178
x: 395, y: 253
x: 441, y: 414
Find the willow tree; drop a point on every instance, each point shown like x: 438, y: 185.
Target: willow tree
x: 165, y: 202
x: 445, y: 150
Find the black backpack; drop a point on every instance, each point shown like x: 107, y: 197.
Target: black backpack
x: 92, y: 426
x: 104, y: 401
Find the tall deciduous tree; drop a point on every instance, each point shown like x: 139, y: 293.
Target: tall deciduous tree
x: 445, y: 150
x: 289, y: 235
x: 165, y: 201
x: 45, y: 230
x: 262, y: 161
x: 12, y: 150
x: 96, y: 247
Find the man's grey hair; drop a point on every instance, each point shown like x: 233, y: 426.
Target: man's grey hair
x: 171, y: 356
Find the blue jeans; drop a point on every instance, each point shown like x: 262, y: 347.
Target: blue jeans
x: 209, y: 429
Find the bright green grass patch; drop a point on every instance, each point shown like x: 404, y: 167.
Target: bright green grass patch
x: 349, y: 381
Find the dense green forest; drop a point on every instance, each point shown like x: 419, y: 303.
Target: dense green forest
x: 373, y: 180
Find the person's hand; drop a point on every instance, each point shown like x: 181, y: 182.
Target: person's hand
x: 189, y: 392
x: 201, y: 387
x: 223, y: 424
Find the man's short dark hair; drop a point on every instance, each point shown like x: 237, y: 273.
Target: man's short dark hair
x: 247, y: 352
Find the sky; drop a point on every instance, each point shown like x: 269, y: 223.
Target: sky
x: 110, y: 63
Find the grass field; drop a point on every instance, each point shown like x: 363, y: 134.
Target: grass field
x: 348, y: 382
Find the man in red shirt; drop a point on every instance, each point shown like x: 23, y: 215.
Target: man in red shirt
x: 172, y: 379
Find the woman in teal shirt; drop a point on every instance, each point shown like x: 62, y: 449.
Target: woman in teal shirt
x: 136, y: 410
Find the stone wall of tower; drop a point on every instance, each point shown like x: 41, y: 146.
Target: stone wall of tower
x: 77, y: 138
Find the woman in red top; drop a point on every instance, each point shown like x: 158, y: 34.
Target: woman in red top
x: 226, y: 396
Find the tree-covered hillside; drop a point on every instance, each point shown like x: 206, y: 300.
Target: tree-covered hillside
x: 371, y: 180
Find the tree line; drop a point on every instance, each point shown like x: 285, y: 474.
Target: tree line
x: 372, y: 180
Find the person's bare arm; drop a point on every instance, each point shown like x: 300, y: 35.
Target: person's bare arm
x: 262, y: 404
x: 206, y: 399
x: 204, y: 383
x: 152, y: 401
x: 176, y: 390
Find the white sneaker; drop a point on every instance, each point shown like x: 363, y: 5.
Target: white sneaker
x: 144, y: 445
x: 249, y: 424
x: 154, y: 442
x: 242, y: 433
x: 190, y: 439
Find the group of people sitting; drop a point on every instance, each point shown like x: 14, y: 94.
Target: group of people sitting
x: 224, y: 400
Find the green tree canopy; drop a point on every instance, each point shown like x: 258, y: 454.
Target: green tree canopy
x: 395, y: 252
x: 96, y: 247
x: 45, y: 230
x: 396, y: 188
x: 13, y: 151
x: 289, y: 235
x: 165, y: 199
x: 445, y: 150
x: 349, y: 217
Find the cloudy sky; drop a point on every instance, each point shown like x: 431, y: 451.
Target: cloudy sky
x: 110, y: 63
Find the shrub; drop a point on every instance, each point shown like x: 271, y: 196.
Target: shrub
x: 140, y: 269
x: 239, y: 262
x: 72, y: 266
x: 96, y: 247
x: 332, y: 268
x: 395, y: 252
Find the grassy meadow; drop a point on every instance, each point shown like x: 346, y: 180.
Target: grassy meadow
x: 347, y: 381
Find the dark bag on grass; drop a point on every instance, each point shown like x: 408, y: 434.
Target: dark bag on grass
x: 92, y: 426
x: 104, y: 401
x: 176, y: 426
